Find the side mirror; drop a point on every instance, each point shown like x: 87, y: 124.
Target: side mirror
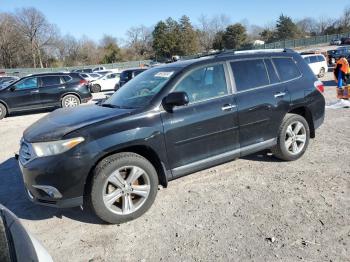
x: 12, y: 88
x: 175, y: 99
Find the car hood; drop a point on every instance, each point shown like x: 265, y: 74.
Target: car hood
x: 63, y: 121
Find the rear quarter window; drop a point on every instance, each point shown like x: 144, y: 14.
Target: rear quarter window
x: 286, y: 68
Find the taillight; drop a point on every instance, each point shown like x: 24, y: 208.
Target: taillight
x: 319, y: 86
x: 83, y: 82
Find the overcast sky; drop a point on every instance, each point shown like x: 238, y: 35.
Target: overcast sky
x: 96, y: 18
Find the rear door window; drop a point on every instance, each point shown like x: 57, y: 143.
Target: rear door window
x: 286, y: 68
x: 249, y: 74
x: 50, y: 81
x: 272, y: 72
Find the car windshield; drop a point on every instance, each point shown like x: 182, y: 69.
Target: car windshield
x: 139, y: 91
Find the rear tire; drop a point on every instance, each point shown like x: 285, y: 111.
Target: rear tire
x: 123, y: 187
x: 70, y: 101
x: 293, y: 138
x: 95, y: 88
x: 3, y: 111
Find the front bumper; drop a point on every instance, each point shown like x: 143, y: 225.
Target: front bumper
x: 56, y: 181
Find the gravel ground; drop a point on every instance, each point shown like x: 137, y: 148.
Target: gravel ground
x: 252, y: 209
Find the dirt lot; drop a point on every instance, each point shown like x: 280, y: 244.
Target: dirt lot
x: 255, y: 208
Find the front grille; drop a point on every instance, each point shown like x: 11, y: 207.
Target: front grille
x: 25, y: 152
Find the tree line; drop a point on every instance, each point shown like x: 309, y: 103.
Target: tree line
x: 28, y: 39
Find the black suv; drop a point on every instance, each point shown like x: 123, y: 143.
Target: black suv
x: 44, y: 91
x: 167, y: 122
x: 127, y: 75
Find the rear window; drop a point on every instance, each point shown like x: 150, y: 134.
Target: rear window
x: 249, y: 74
x: 286, y: 68
x: 50, y: 80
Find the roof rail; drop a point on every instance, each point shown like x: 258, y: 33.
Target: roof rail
x: 235, y: 52
x: 254, y: 51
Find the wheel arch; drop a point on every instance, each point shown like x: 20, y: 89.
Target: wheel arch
x: 306, y: 113
x: 70, y: 93
x: 141, y: 150
x: 5, y: 104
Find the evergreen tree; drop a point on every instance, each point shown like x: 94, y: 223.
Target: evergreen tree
x: 235, y: 36
x: 286, y: 28
x: 188, y: 41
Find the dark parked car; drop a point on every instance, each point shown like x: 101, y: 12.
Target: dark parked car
x: 345, y: 41
x: 334, y: 55
x: 16, y: 244
x: 44, y: 91
x: 170, y: 121
x: 127, y: 75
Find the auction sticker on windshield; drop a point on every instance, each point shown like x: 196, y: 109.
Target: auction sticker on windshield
x: 164, y: 74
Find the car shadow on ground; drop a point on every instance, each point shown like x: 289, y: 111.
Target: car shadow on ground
x: 13, y: 196
x: 31, y: 112
x: 262, y: 156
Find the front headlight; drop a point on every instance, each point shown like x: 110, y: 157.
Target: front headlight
x: 55, y: 147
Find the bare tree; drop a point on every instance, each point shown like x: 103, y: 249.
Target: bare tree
x: 140, y: 40
x: 308, y: 26
x: 209, y: 27
x: 37, y: 30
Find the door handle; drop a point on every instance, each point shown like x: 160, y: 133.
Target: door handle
x: 280, y: 94
x: 34, y: 92
x: 228, y: 107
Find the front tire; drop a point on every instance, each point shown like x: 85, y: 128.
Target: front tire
x: 123, y: 187
x: 70, y: 101
x: 293, y: 138
x: 3, y: 111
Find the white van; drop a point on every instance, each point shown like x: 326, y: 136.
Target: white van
x: 317, y: 63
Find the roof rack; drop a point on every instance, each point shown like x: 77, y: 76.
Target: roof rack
x: 254, y: 51
x: 239, y: 52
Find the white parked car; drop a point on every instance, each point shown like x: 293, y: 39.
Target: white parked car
x: 90, y: 77
x: 317, y: 63
x: 107, y: 82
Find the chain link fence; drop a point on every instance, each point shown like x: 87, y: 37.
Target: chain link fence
x: 26, y: 71
x: 303, y: 42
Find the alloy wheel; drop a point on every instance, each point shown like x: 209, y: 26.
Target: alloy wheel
x: 295, y: 137
x: 126, y: 190
x: 71, y: 102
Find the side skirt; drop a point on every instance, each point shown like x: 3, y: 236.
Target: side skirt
x: 222, y: 158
